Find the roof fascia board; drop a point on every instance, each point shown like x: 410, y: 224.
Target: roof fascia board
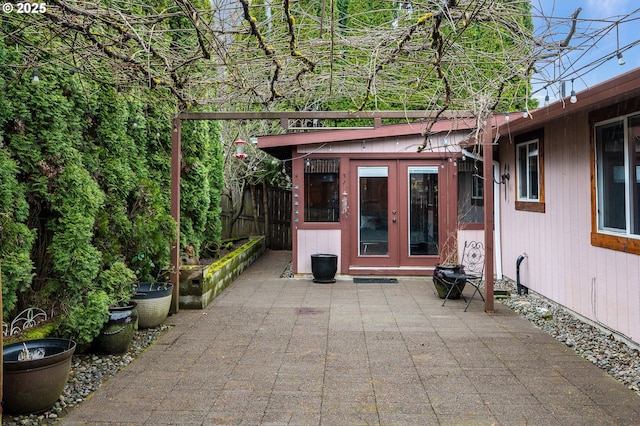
x: 610, y: 92
x: 389, y: 130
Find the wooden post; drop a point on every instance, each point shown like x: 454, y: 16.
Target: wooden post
x: 489, y: 222
x: 176, y: 157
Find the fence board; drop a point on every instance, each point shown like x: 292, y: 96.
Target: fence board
x: 279, y: 210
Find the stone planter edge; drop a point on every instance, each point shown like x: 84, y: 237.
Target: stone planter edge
x: 218, y: 275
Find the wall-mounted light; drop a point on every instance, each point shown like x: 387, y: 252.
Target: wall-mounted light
x: 35, y: 75
x: 240, y: 149
x: 573, y: 99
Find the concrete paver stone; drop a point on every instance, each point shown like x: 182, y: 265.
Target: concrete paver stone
x: 276, y: 351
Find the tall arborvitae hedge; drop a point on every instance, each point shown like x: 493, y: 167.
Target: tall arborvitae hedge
x: 85, y: 192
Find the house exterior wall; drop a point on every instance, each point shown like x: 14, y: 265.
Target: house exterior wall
x: 335, y: 238
x: 600, y: 284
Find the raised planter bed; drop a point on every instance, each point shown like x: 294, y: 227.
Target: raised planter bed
x: 200, y: 284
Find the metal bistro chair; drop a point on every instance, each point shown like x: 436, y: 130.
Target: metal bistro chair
x: 473, y: 269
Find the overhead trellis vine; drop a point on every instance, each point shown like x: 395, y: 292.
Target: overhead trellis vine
x: 234, y: 54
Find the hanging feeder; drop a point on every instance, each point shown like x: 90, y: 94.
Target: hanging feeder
x: 240, y: 149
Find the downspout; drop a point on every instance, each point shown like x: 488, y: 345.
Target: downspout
x: 519, y: 286
x: 496, y: 209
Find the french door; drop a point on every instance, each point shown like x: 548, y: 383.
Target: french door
x: 396, y: 222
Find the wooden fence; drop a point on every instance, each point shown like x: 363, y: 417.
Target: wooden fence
x: 253, y: 219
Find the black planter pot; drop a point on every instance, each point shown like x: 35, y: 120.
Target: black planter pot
x: 33, y: 386
x: 324, y: 267
x: 154, y: 302
x: 442, y: 287
x: 117, y: 333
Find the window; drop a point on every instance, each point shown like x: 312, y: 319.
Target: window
x: 470, y: 192
x: 617, y: 146
x: 528, y: 185
x: 322, y: 190
x: 529, y: 173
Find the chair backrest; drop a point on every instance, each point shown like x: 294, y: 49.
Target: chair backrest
x: 473, y: 257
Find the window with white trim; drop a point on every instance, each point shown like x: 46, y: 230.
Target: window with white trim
x: 528, y: 169
x: 617, y: 146
x: 529, y: 179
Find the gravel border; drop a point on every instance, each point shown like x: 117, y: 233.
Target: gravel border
x: 88, y: 373
x: 602, y: 347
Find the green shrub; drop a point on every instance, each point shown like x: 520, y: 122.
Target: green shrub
x: 83, y: 321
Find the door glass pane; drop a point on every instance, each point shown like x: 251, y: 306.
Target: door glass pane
x: 423, y: 211
x: 373, y: 211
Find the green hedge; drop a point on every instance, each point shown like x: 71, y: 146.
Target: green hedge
x: 85, y: 191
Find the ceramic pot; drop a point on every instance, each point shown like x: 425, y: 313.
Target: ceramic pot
x: 324, y: 267
x: 33, y: 385
x: 154, y: 302
x: 117, y: 333
x: 442, y: 287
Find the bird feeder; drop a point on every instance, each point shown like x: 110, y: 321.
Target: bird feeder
x: 240, y: 149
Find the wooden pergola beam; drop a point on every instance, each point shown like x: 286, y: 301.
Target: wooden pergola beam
x: 296, y: 115
x: 285, y: 116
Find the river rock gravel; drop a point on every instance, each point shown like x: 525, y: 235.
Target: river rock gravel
x: 617, y: 356
x: 88, y: 372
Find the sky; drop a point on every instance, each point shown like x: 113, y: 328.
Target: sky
x: 594, y: 60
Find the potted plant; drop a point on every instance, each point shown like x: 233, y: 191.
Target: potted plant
x: 122, y: 321
x: 448, y: 266
x: 154, y: 301
x: 35, y: 373
x: 86, y: 317
x: 152, y: 296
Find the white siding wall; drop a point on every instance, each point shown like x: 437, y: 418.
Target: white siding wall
x: 313, y: 241
x: 600, y: 284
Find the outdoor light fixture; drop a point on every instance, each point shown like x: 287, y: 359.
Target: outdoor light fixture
x: 525, y: 114
x: 506, y: 116
x: 546, y: 98
x: 240, y: 149
x: 573, y: 99
x: 35, y: 75
x: 621, y: 60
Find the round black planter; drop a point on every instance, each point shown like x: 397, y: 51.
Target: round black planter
x: 324, y: 267
x: 442, y: 287
x: 154, y: 302
x: 118, y: 331
x: 33, y: 386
